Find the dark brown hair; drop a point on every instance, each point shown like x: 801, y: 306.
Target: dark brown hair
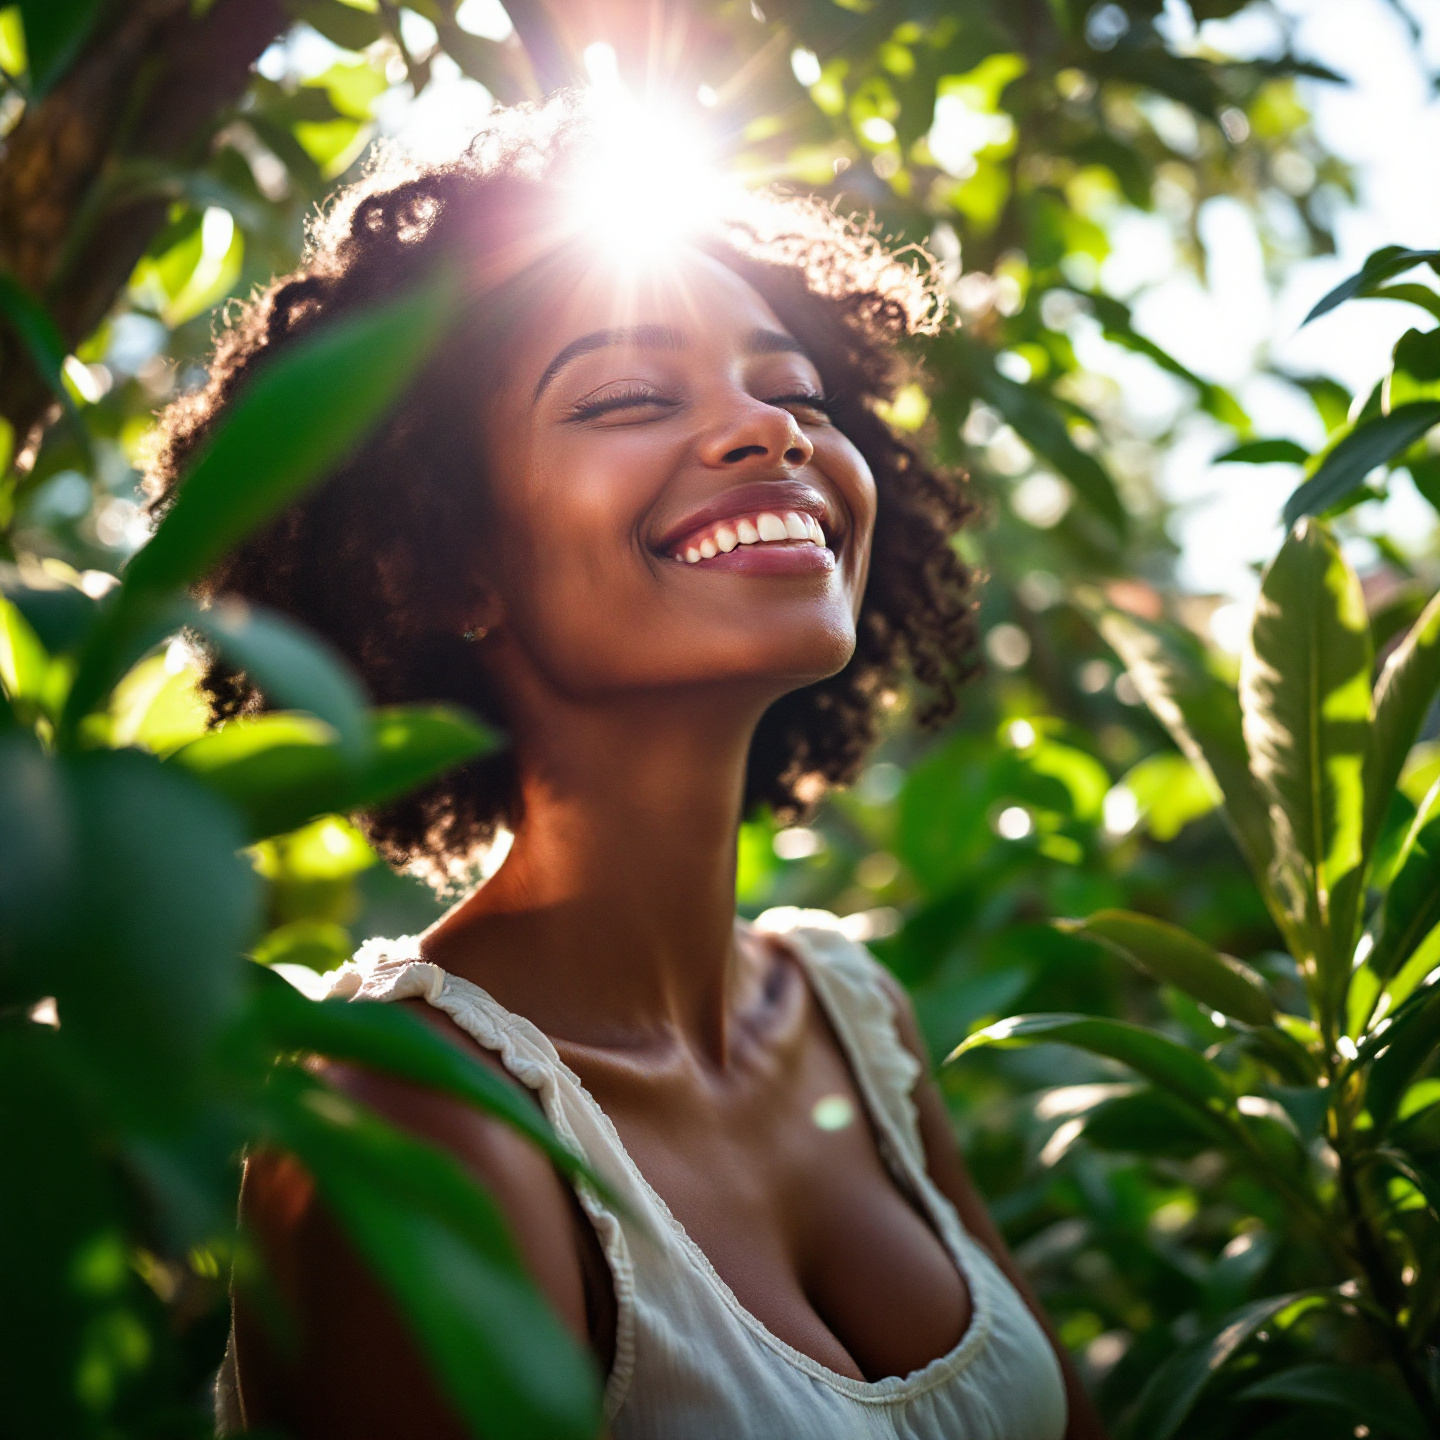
x: 383, y: 550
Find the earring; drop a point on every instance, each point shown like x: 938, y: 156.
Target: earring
x: 479, y: 632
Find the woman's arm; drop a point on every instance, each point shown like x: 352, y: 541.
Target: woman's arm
x: 350, y: 1370
x: 952, y: 1177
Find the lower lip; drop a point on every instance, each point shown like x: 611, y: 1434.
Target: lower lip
x: 798, y: 558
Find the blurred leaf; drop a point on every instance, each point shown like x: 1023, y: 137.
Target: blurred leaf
x: 1403, y: 695
x: 54, y: 33
x: 25, y: 670
x: 294, y: 668
x: 1202, y: 715
x: 300, y: 417
x: 280, y: 772
x: 440, y: 1246
x: 37, y: 843
x: 1264, y: 452
x: 346, y: 26
x: 1305, y: 694
x: 395, y: 1042
x: 60, y: 614
x: 319, y: 945
x: 1153, y: 1055
x: 1170, y: 792
x: 1391, y: 260
x: 1370, y: 443
x: 1174, y: 1388
x: 1368, y: 1397
x: 37, y: 331
x: 1173, y: 956
x: 1150, y: 1122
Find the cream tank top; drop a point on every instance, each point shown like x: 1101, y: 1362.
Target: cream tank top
x: 690, y: 1362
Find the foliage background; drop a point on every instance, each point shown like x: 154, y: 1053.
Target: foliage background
x: 1024, y: 142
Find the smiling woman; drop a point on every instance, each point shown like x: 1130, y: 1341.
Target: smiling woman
x: 648, y: 521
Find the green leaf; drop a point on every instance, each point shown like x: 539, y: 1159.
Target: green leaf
x: 1412, y: 904
x: 1150, y: 1122
x: 1408, y: 1043
x: 1403, y: 694
x: 41, y: 337
x: 1366, y: 1396
x: 1172, y: 1390
x: 389, y: 1039
x: 345, y: 26
x: 60, y: 615
x: 1305, y: 697
x: 54, y: 33
x: 1202, y: 715
x: 1391, y: 260
x: 280, y: 771
x: 295, y: 670
x: 1175, y: 957
x: 1150, y: 1054
x: 299, y: 418
x: 1370, y: 443
x: 1264, y: 452
x: 36, y: 852
x: 439, y: 1245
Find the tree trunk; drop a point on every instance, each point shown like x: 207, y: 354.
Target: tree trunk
x: 149, y: 86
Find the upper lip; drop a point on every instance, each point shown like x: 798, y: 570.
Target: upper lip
x: 777, y: 496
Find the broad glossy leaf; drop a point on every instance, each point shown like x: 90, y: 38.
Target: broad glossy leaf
x: 440, y: 1247
x: 1305, y: 697
x: 1412, y: 904
x: 1403, y: 694
x: 1173, y: 1389
x: 1152, y: 1055
x: 59, y: 614
x: 1370, y: 443
x: 295, y: 670
x: 280, y: 771
x: 1378, y: 1401
x: 24, y: 663
x: 1172, y: 955
x: 349, y: 28
x: 1202, y: 715
x: 1381, y: 265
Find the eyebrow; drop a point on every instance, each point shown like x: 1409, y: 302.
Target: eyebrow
x: 658, y: 337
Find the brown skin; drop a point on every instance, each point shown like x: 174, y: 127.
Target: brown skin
x: 634, y: 682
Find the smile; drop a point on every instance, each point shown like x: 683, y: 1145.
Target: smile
x: 764, y: 528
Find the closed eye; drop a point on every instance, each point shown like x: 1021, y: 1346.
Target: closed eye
x: 631, y: 399
x: 811, y: 400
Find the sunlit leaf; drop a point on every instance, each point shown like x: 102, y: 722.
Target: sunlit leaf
x: 1305, y: 695
x: 1391, y: 260
x: 1155, y: 1056
x: 1371, y: 443
x: 1412, y: 904
x: 1264, y: 452
x: 1409, y: 1041
x: 1174, y: 956
x: 1403, y: 694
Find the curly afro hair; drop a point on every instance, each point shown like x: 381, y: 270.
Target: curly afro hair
x: 384, y: 548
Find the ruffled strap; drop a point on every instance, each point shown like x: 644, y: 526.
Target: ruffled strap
x: 850, y: 984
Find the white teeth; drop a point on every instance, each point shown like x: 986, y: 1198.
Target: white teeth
x: 746, y: 532
x: 726, y: 539
x: 816, y: 533
x: 708, y: 550
x: 767, y: 526
x: 795, y: 527
x: 771, y: 527
x: 692, y: 555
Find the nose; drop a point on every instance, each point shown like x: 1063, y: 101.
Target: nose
x: 753, y: 432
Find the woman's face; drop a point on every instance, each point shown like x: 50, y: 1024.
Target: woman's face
x: 674, y: 506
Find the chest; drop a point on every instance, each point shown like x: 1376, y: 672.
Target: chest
x: 774, y: 1170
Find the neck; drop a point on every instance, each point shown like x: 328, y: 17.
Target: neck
x: 612, y: 919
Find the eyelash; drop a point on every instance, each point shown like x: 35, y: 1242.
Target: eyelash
x: 589, y: 410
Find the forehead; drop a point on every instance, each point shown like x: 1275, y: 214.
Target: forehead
x: 694, y: 296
